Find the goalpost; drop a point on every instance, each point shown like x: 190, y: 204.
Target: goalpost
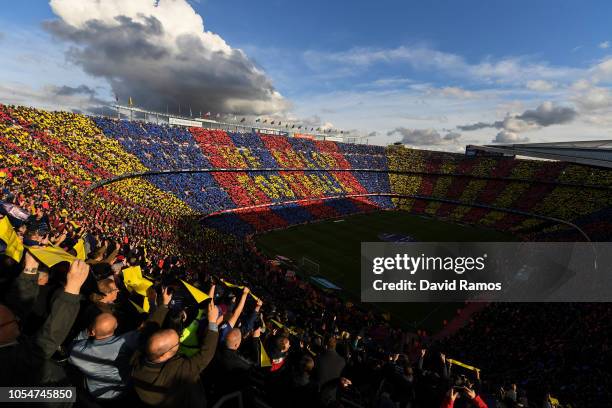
x: 309, y: 266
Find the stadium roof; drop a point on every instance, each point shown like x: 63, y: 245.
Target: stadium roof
x: 592, y: 152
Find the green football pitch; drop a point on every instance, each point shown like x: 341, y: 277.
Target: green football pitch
x: 335, y: 245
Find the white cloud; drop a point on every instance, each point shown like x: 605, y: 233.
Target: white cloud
x: 505, y: 70
x: 424, y: 137
x: 593, y: 99
x: 604, y: 45
x: 160, y: 54
x: 81, y: 98
x: 454, y: 92
x: 506, y: 136
x: 602, y: 72
x: 540, y: 85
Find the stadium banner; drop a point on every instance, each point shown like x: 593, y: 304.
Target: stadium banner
x: 486, y: 272
x: 304, y: 136
x: 334, y: 138
x: 185, y: 122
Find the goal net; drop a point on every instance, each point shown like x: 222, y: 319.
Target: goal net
x: 309, y: 266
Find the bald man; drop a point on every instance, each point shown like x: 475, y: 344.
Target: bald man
x: 104, y: 358
x: 233, y: 339
x: 231, y: 369
x: 162, y: 377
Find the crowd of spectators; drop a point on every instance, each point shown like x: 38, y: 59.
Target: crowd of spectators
x: 571, y: 192
x: 165, y: 147
x: 253, y: 327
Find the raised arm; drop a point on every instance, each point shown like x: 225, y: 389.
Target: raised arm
x: 193, y: 366
x: 63, y: 311
x: 24, y: 291
x: 239, y: 308
x: 422, y: 358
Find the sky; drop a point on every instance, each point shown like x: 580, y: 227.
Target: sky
x: 433, y: 75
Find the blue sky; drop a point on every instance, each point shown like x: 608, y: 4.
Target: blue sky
x: 419, y: 72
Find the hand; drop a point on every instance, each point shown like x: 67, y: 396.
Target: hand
x: 443, y: 357
x: 245, y: 291
x: 257, y: 332
x: 213, y: 312
x: 166, y: 296
x: 452, y: 394
x: 423, y: 352
x: 77, y: 275
x: 470, y: 392
x: 258, y: 305
x: 345, y: 382
x: 152, y: 294
x: 30, y: 262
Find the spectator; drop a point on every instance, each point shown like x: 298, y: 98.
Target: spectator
x: 164, y: 378
x: 30, y: 358
x: 328, y: 370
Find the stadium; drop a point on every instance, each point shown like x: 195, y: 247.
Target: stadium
x: 220, y: 258
x: 209, y: 206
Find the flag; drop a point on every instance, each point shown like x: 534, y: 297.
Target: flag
x: 133, y: 280
x: 14, y: 246
x: 79, y: 247
x: 208, y: 114
x: 264, y: 359
x: 460, y: 364
x: 130, y: 102
x: 138, y: 308
x: 218, y: 115
x: 282, y: 326
x: 197, y: 294
x: 51, y: 255
x: 145, y: 304
x: 231, y: 285
x: 190, y: 113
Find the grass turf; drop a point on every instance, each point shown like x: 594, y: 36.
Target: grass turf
x: 336, y: 247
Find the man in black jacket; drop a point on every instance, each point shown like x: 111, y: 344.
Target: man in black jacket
x: 27, y: 360
x: 328, y: 370
x: 231, y: 370
x: 161, y: 377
